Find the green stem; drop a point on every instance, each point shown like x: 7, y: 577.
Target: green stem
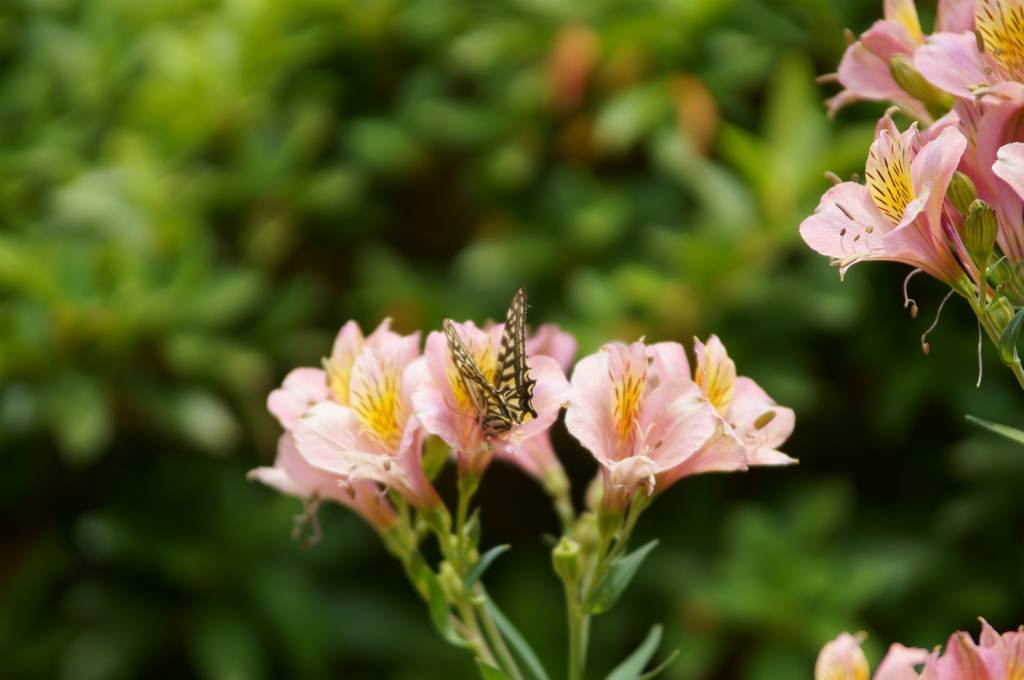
x: 578, y: 628
x: 993, y: 334
x: 468, y: 484
x: 508, y: 663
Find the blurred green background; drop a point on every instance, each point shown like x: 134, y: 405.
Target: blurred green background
x: 196, y: 194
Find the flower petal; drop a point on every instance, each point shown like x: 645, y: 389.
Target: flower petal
x: 326, y: 434
x: 588, y: 415
x: 899, y: 663
x: 722, y: 452
x: 951, y: 61
x: 302, y: 388
x: 846, y: 223
x: 1009, y: 166
x: 676, y: 422
x: 842, y: 659
x: 936, y: 163
x: 669, y: 361
x: 955, y: 16
x: 716, y: 373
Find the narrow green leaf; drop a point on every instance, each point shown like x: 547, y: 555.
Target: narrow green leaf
x: 664, y: 664
x: 489, y: 672
x: 515, y: 640
x: 633, y: 666
x: 617, y: 578
x: 1008, y: 432
x: 1008, y: 339
x: 478, y: 568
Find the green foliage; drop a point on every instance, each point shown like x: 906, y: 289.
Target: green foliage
x: 196, y: 194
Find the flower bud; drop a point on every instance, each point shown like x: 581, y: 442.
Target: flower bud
x: 1000, y: 312
x: 450, y: 581
x: 913, y: 83
x: 566, y: 559
x: 980, y: 230
x: 961, y: 192
x: 585, y: 531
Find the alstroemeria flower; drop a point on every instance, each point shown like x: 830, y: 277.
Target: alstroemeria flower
x: 306, y: 387
x: 843, y: 659
x: 865, y: 68
x: 292, y: 475
x: 998, y: 657
x: 749, y: 424
x: 952, y: 60
x: 635, y: 428
x: 376, y: 437
x: 898, y: 214
x: 445, y: 409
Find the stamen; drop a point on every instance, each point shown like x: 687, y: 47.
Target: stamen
x: 763, y: 420
x: 906, y: 298
x: 845, y: 212
x: 833, y: 177
x: 848, y: 37
x: 854, y: 177
x: 925, y: 347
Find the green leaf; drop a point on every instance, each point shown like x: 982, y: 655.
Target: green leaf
x: 1008, y: 339
x: 617, y: 578
x: 662, y: 666
x: 1008, y: 432
x: 478, y: 568
x: 633, y: 666
x: 489, y: 672
x: 515, y: 640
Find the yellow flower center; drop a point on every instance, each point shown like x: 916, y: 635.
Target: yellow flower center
x: 888, y: 177
x: 627, y: 400
x: 1001, y: 27
x: 376, y: 397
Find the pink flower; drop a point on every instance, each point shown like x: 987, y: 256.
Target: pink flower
x: 865, y: 68
x: 445, y: 409
x: 375, y: 437
x: 843, y: 659
x: 952, y: 60
x: 306, y: 387
x: 996, y: 658
x: 292, y: 475
x: 637, y: 428
x: 898, y: 214
x: 749, y: 425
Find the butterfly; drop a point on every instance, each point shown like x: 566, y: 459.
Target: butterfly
x: 509, y: 399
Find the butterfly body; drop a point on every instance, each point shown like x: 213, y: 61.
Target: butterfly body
x: 507, y: 399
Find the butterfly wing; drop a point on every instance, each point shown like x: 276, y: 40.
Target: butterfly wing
x: 512, y: 378
x: 491, y: 407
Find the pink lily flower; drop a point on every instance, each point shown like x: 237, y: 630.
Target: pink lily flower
x: 843, y: 659
x: 535, y: 455
x: 293, y: 476
x: 998, y: 657
x: 636, y: 428
x: 951, y: 58
x: 749, y: 425
x: 374, y: 437
x: 306, y: 387
x: 864, y: 70
x: 445, y: 409
x: 898, y: 214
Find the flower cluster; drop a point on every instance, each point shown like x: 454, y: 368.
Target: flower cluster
x: 994, y: 657
x: 945, y: 195
x: 356, y: 427
x: 356, y: 432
